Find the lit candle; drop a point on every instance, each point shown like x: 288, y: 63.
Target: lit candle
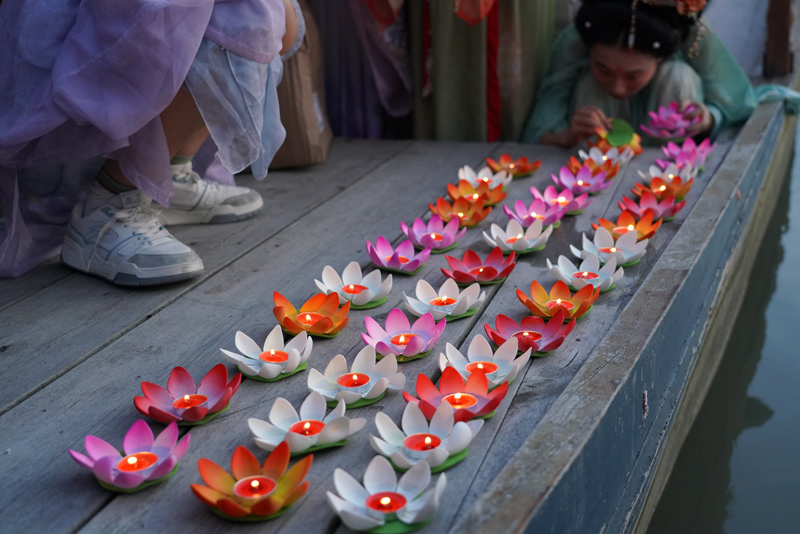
x: 562, y: 200
x: 402, y: 339
x: 476, y: 196
x: 512, y: 240
x: 662, y: 188
x: 386, y: 502
x: 436, y: 237
x: 422, y: 442
x: 567, y: 305
x: 309, y: 318
x: 353, y: 380
x: 460, y: 215
x: 671, y: 176
x: 486, y: 367
x: 189, y: 401
x: 137, y: 462
x: 442, y: 301
x: 274, y: 356
x: 607, y: 250
x: 485, y: 179
x: 354, y: 289
x: 584, y: 275
x: 527, y: 335
x: 580, y: 182
x: 605, y: 157
x: 511, y: 166
x: 402, y: 259
x: 537, y: 216
x: 308, y: 427
x: 623, y: 229
x: 476, y: 271
x: 461, y: 400
x: 254, y: 487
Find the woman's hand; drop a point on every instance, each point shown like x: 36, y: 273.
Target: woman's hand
x: 582, y: 125
x: 704, y: 125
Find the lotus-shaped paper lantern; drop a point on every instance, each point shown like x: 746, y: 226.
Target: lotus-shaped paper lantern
x: 662, y: 189
x: 186, y: 403
x: 272, y: 362
x: 471, y: 268
x: 582, y: 181
x: 310, y: 430
x: 484, y: 176
x: 441, y: 444
x: 254, y: 492
x: 628, y: 222
x: 434, y: 235
x: 517, y: 168
x: 632, y: 147
x: 363, y: 292
x: 471, y: 193
x: 589, y: 273
x: 689, y: 152
x: 564, y: 199
x: 685, y: 173
x: 626, y: 251
x: 470, y: 400
x: 607, y: 165
x: 501, y: 366
x: 532, y: 333
x: 448, y: 302
x: 384, y: 504
x: 147, y: 460
x: 467, y: 213
x: 318, y: 316
x: 364, y: 383
x: 617, y: 156
x: 546, y: 305
x: 517, y: 239
x: 670, y: 122
x: 665, y: 209
x: 539, y: 210
x: 401, y: 339
x: 403, y: 260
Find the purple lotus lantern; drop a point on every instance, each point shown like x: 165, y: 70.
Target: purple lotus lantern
x: 669, y: 122
x: 538, y: 209
x: 582, y: 181
x: 400, y: 338
x: 688, y: 153
x: 434, y: 235
x: 403, y: 260
x: 564, y: 199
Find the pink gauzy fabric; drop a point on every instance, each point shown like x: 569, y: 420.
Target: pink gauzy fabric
x: 86, y: 79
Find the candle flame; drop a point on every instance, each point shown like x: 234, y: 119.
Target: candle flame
x: 519, y: 236
x: 402, y: 338
x: 630, y: 227
x: 480, y: 270
x: 428, y: 440
x: 272, y: 353
x: 671, y: 176
x: 457, y: 396
x: 306, y: 426
x: 355, y: 379
x: 485, y: 179
x: 662, y: 188
x: 186, y: 398
x: 351, y: 287
x: 580, y: 182
x: 475, y: 196
x: 613, y: 249
x: 524, y: 334
x: 605, y: 157
x: 511, y: 166
x: 480, y: 366
x: 386, y: 501
x: 132, y: 460
x: 254, y: 484
x: 460, y: 214
x: 585, y: 273
x: 558, y: 301
x: 562, y: 199
x: 308, y: 318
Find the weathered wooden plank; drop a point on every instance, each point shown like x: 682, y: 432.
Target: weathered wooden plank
x: 559, y: 481
x: 53, y: 322
x: 237, y: 298
x: 17, y: 289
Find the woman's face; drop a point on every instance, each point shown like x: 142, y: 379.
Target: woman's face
x: 622, y: 72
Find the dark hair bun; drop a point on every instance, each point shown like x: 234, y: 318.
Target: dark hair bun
x: 659, y: 29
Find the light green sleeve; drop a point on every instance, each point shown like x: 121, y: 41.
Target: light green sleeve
x: 728, y: 94
x: 551, y: 108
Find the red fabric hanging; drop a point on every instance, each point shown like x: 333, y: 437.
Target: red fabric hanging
x: 384, y: 11
x: 474, y: 11
x: 493, y: 127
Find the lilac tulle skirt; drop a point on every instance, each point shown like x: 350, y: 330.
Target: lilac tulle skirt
x: 85, y: 80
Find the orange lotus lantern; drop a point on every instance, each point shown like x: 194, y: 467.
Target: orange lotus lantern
x: 472, y: 194
x: 662, y: 189
x: 608, y: 166
x: 546, y: 305
x: 517, y: 168
x: 645, y: 228
x: 319, y: 316
x: 468, y: 213
x: 254, y: 492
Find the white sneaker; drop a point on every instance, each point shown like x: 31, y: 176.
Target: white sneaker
x: 199, y: 201
x: 127, y: 244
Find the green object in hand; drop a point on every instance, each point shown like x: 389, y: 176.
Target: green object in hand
x: 621, y: 133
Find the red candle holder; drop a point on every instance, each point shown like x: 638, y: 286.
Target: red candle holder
x: 476, y: 388
x: 471, y: 269
x: 551, y: 333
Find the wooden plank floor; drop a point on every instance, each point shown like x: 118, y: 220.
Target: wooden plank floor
x: 75, y: 348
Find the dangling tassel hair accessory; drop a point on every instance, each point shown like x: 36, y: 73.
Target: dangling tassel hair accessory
x: 632, y: 31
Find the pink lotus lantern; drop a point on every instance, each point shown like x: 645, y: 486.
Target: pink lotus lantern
x: 534, y: 333
x: 538, y: 209
x: 689, y: 152
x: 434, y: 235
x: 582, y: 181
x: 147, y: 460
x: 470, y: 400
x: 665, y: 209
x: 403, y: 260
x: 471, y: 268
x: 564, y: 199
x: 401, y: 339
x: 186, y: 403
x: 670, y: 122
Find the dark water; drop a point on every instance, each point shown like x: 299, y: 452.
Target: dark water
x: 739, y: 470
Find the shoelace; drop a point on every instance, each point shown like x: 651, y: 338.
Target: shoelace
x: 142, y: 219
